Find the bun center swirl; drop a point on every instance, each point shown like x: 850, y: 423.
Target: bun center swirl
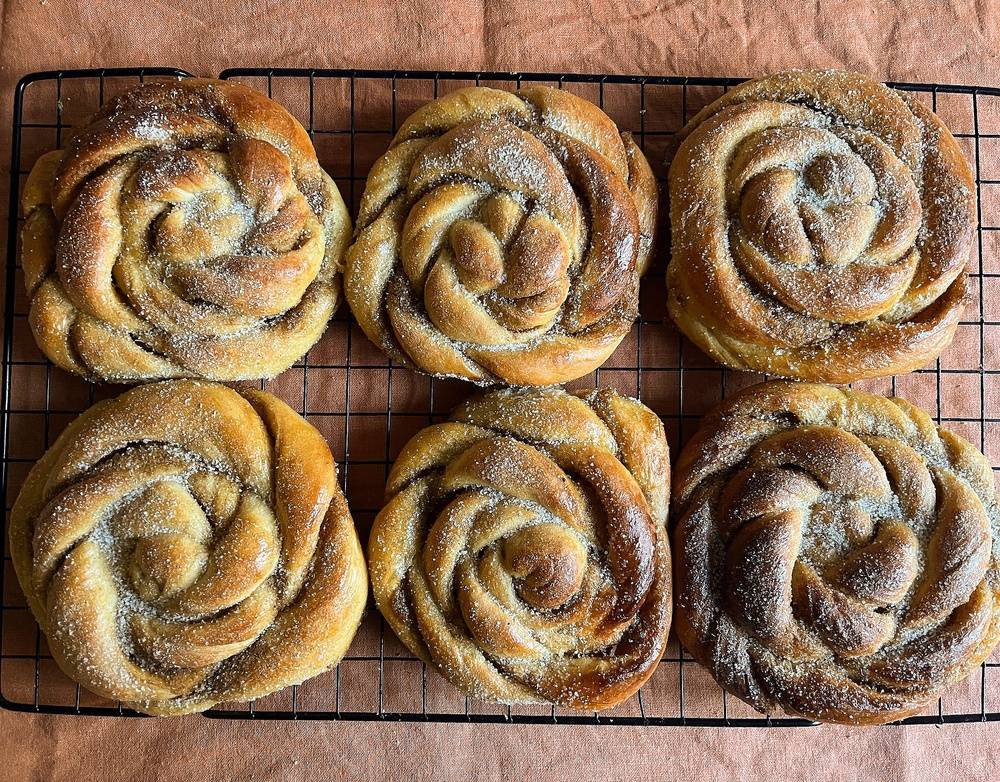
x: 491, y: 253
x: 826, y: 219
x: 211, y: 241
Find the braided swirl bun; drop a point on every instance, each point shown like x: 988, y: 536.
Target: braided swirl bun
x: 184, y: 544
x: 187, y: 231
x: 522, y: 550
x: 837, y: 555
x: 502, y: 236
x: 820, y: 227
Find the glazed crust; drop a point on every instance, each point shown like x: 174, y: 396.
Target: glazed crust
x: 183, y: 544
x: 820, y: 223
x: 186, y: 231
x: 522, y: 550
x: 837, y: 555
x: 501, y: 238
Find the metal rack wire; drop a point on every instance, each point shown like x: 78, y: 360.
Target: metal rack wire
x: 367, y: 407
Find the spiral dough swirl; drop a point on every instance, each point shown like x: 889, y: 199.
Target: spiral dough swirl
x: 187, y: 231
x: 522, y: 549
x: 837, y: 555
x: 502, y: 237
x: 820, y: 227
x: 183, y: 545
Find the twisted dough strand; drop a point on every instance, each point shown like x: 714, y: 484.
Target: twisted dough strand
x: 837, y: 555
x: 187, y: 230
x: 522, y: 549
x: 183, y: 545
x: 501, y: 237
x: 820, y: 227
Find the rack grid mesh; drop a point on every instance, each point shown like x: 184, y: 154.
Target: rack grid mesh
x: 367, y: 407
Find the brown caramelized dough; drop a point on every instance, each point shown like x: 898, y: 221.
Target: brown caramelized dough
x: 522, y: 549
x: 837, y: 555
x: 183, y: 545
x: 820, y: 228
x: 501, y: 238
x: 186, y: 231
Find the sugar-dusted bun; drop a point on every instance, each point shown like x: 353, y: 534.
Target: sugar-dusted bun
x: 186, y: 231
x: 522, y: 549
x: 184, y: 544
x: 820, y: 226
x: 502, y: 236
x: 837, y: 555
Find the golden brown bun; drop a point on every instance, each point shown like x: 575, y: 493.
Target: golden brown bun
x: 501, y: 238
x: 522, y: 549
x: 836, y: 554
x: 183, y: 545
x: 820, y: 228
x: 186, y: 231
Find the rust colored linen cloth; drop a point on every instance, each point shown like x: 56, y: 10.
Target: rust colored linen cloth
x: 957, y: 42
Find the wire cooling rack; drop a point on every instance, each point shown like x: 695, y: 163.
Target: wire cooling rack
x: 368, y: 408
